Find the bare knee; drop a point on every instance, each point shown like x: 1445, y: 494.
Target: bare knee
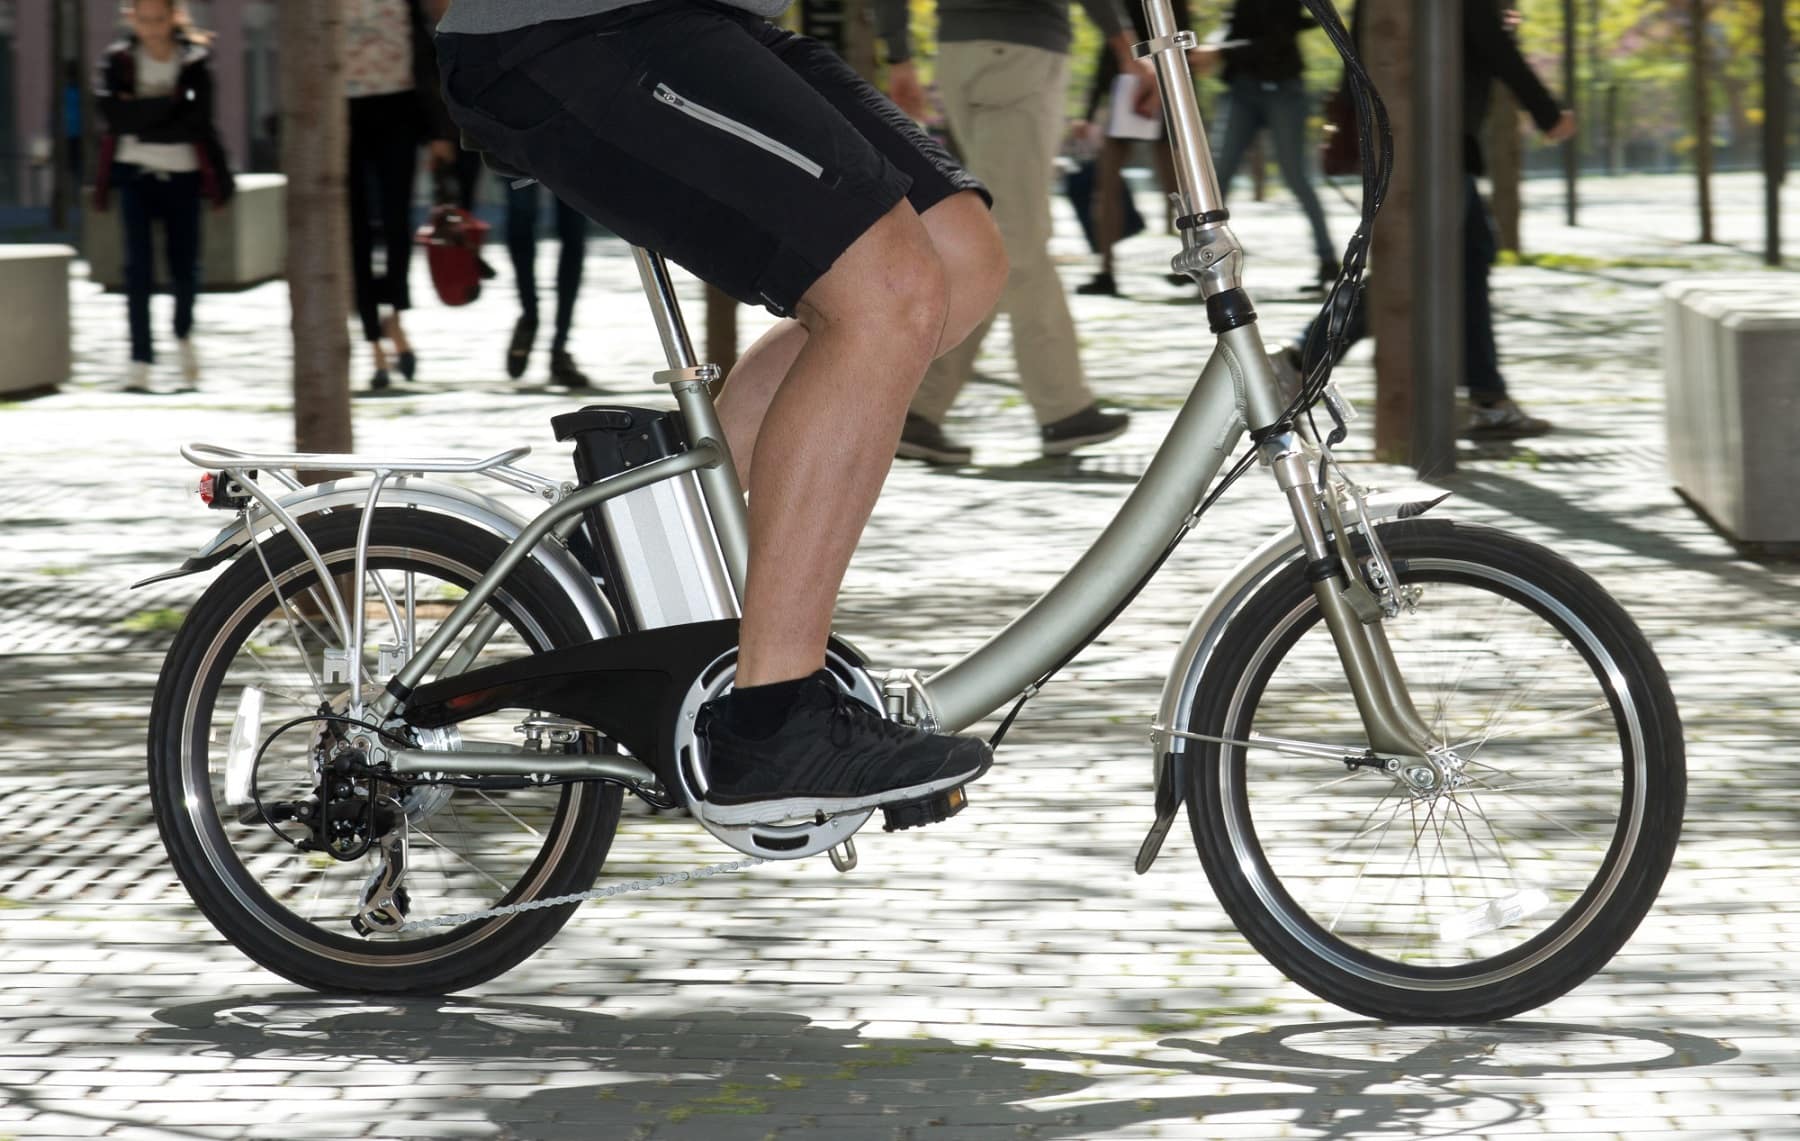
x: 974, y: 257
x: 890, y: 284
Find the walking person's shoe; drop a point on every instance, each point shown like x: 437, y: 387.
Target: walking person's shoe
x: 1502, y: 419
x: 137, y: 378
x: 518, y: 351
x: 380, y: 380
x: 564, y: 370
x: 1088, y: 426
x: 190, y: 362
x: 1099, y: 285
x: 920, y: 439
x: 1329, y: 272
x: 829, y: 754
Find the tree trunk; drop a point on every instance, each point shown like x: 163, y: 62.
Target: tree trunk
x: 1703, y: 153
x: 1390, y: 296
x: 314, y: 153
x: 1505, y: 155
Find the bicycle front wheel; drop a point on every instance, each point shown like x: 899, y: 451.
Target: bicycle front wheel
x: 1479, y: 893
x: 255, y: 654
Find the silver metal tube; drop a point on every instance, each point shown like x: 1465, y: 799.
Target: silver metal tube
x: 463, y: 763
x: 358, y: 598
x: 274, y: 507
x: 520, y: 549
x: 665, y: 308
x: 719, y: 482
x: 1205, y: 432
x: 1194, y: 171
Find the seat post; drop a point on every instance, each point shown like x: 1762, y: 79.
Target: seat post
x: 665, y: 308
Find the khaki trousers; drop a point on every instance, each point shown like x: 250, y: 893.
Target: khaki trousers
x: 1005, y: 104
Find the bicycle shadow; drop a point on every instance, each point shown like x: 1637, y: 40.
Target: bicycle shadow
x: 723, y: 1074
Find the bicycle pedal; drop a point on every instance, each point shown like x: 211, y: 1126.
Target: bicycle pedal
x: 926, y: 810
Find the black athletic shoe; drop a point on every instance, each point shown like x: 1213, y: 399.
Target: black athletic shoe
x: 1099, y: 285
x: 564, y: 370
x: 833, y: 754
x: 920, y: 439
x: 1088, y: 426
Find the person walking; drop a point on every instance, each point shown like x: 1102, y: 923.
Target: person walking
x: 1107, y: 206
x: 1002, y: 70
x: 522, y: 205
x: 391, y: 80
x: 1490, y: 54
x: 522, y: 220
x: 1264, y: 91
x: 161, y: 152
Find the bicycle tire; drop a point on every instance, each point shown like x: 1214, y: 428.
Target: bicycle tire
x: 212, y: 655
x: 1497, y: 928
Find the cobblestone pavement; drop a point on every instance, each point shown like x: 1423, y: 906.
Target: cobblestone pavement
x: 1002, y: 975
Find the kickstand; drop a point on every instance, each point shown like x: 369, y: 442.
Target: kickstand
x: 843, y: 856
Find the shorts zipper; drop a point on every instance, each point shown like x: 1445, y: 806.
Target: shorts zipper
x: 732, y: 127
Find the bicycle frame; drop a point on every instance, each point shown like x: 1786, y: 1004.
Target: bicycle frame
x: 1235, y: 392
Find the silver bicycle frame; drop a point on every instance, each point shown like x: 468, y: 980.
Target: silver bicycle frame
x: 1235, y: 391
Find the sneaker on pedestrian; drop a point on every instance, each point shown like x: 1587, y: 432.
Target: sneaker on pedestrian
x: 190, y: 362
x: 137, y: 378
x: 1088, y: 426
x: 564, y: 371
x: 831, y: 754
x: 1502, y: 420
x: 1099, y: 285
x: 920, y: 439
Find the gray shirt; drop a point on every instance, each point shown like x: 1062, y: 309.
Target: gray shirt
x: 480, y: 17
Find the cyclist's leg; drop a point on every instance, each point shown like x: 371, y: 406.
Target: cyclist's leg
x: 953, y: 205
x: 672, y: 125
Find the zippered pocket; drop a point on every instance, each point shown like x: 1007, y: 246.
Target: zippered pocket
x: 667, y: 95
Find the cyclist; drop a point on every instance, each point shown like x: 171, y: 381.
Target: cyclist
x: 759, y: 161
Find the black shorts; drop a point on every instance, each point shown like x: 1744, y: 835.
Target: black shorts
x: 749, y: 155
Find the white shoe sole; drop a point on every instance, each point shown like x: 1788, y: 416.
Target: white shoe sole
x: 807, y: 807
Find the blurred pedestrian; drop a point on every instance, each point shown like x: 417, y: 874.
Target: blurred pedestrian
x: 1002, y: 70
x: 391, y: 80
x: 522, y: 205
x: 161, y: 152
x: 1108, y: 205
x: 521, y: 243
x: 1265, y: 91
x: 1489, y: 54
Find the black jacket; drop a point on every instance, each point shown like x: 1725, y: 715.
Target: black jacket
x: 185, y: 116
x: 1272, y: 29
x: 1489, y: 54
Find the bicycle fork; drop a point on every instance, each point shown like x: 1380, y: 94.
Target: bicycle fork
x: 1350, y: 609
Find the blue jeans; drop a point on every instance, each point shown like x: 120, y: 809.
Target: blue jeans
x: 146, y: 198
x: 521, y: 243
x: 1253, y: 106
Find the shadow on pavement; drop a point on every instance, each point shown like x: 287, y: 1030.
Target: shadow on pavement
x: 722, y: 1074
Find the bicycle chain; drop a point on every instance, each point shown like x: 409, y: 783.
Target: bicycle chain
x: 595, y: 893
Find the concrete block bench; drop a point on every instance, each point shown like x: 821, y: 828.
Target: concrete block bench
x: 242, y: 245
x: 1731, y: 370
x: 34, y: 317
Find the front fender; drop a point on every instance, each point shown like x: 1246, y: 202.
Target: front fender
x: 470, y: 506
x: 1169, y: 762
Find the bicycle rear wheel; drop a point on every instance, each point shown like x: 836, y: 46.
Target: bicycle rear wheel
x: 257, y: 640
x: 1525, y: 868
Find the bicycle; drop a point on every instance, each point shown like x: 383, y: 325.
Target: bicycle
x: 1387, y: 808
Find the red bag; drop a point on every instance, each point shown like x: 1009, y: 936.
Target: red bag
x: 452, y: 238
